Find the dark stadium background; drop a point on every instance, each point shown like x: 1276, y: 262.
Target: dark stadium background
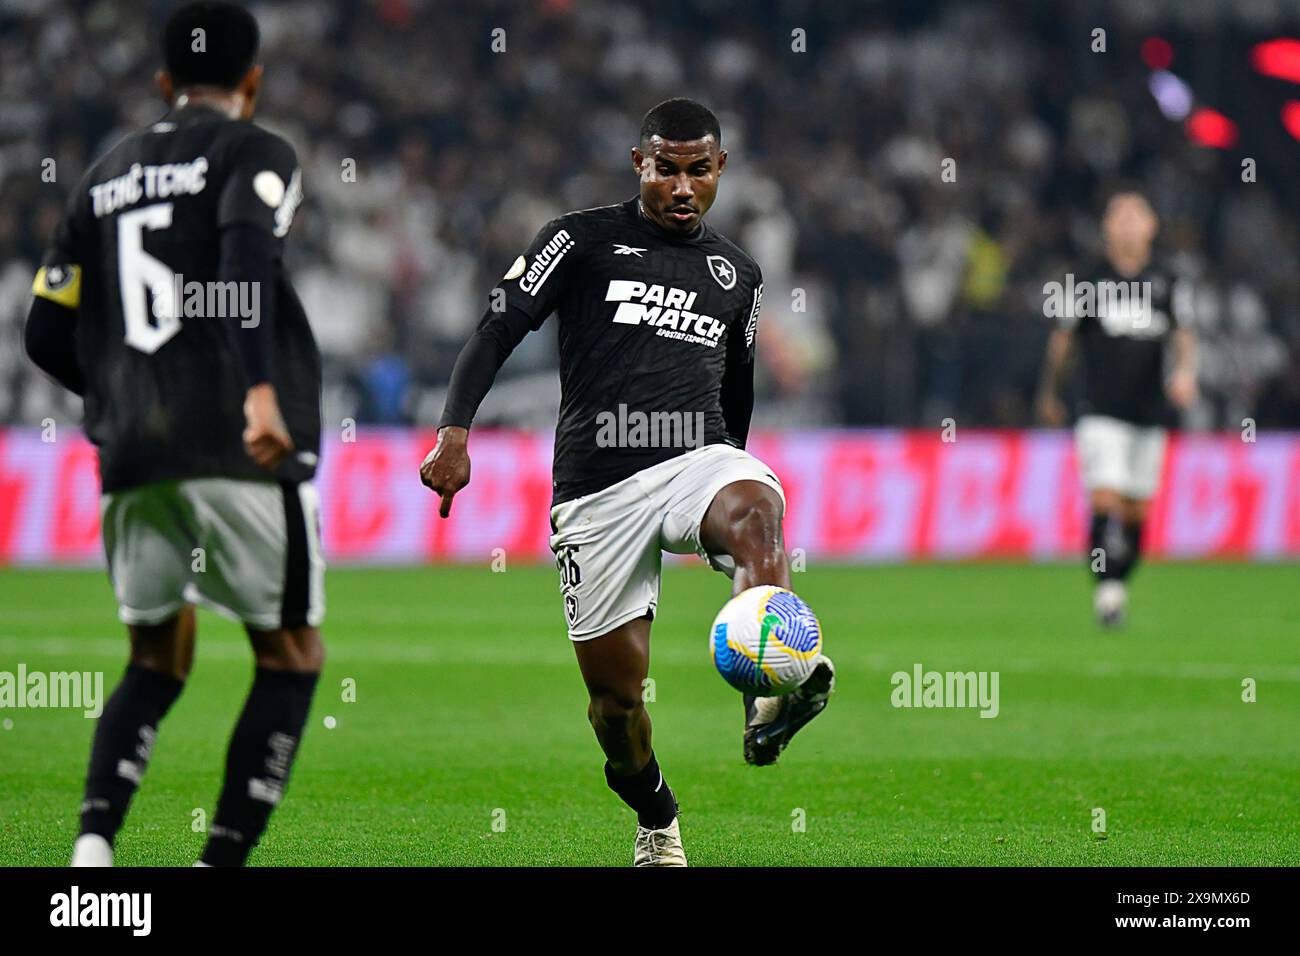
x: 924, y: 306
x: 923, y: 298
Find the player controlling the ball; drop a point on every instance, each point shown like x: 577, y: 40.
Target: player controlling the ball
x: 658, y: 314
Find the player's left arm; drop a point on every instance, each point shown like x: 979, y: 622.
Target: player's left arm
x: 50, y: 335
x: 1181, y: 386
x: 259, y: 196
x: 738, y: 376
x: 519, y: 304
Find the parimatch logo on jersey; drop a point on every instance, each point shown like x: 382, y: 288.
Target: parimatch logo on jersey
x: 666, y: 308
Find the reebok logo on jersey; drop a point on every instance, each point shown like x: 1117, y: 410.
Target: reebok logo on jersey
x: 622, y: 250
x: 668, y: 309
x: 545, y: 261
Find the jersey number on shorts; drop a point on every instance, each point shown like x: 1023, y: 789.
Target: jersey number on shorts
x: 570, y: 578
x: 143, y: 277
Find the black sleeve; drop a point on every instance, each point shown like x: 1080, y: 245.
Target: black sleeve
x: 479, y: 361
x: 251, y: 255
x: 260, y: 192
x: 50, y: 336
x: 738, y: 377
x: 529, y: 292
x: 537, y: 280
x: 262, y: 184
x: 51, y: 341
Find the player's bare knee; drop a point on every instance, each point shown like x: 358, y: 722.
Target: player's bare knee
x: 1135, y: 511
x: 613, y: 710
x: 1105, y: 501
x: 755, y: 539
x: 162, y: 660
x: 289, y: 649
x: 167, y: 647
x: 753, y: 523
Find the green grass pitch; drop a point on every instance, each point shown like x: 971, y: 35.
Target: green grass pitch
x: 467, y: 743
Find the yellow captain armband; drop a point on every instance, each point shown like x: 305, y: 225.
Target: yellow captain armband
x: 61, y: 284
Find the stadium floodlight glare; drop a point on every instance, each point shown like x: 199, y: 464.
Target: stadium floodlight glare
x: 1157, y: 53
x: 1172, y: 95
x: 1277, y: 58
x: 1291, y: 117
x: 1207, y: 127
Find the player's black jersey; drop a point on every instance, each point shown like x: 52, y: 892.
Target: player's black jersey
x: 1122, y: 338
x: 649, y: 324
x: 137, y: 255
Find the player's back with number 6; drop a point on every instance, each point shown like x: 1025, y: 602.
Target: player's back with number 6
x: 170, y: 254
x: 162, y: 301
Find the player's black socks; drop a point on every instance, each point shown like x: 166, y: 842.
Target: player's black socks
x: 1133, y: 549
x: 124, y: 738
x: 261, y: 752
x: 646, y: 792
x: 1105, y: 535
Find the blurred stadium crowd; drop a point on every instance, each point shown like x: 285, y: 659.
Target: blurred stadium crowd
x: 892, y: 297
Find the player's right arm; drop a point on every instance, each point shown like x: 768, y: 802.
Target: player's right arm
x: 1181, y: 387
x: 50, y: 335
x: 1049, y: 405
x: 527, y: 294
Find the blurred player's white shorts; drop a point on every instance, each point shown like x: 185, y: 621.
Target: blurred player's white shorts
x: 608, y: 544
x: 250, y: 550
x: 1119, y: 456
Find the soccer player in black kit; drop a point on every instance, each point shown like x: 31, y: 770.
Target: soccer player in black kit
x: 207, y: 420
x: 658, y: 314
x: 1127, y: 389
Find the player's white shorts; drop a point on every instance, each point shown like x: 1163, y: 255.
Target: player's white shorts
x: 248, y: 549
x: 608, y: 544
x: 1119, y: 456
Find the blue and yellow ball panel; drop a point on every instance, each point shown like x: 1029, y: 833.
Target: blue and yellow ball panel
x: 793, y: 638
x: 737, y: 666
x: 800, y: 633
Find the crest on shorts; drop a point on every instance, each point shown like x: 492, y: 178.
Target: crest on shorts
x: 723, y: 271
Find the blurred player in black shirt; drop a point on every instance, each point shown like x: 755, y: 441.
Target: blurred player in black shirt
x: 658, y: 315
x: 1139, y: 313
x: 163, y: 302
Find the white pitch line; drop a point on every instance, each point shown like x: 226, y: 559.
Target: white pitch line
x: 547, y: 648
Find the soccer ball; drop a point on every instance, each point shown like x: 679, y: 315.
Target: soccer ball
x: 765, y: 641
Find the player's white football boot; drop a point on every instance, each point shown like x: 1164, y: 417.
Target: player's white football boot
x: 659, y: 847
x: 770, y: 722
x: 1110, y: 603
x: 91, y: 849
